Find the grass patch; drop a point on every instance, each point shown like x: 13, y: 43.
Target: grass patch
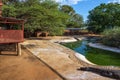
x: 103, y: 57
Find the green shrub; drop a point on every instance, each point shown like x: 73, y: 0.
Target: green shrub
x: 112, y: 37
x: 57, y: 31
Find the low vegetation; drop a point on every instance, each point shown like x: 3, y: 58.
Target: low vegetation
x: 112, y: 37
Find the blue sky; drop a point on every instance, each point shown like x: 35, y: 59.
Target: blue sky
x: 84, y: 6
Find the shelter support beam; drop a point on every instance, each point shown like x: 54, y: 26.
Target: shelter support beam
x: 18, y: 49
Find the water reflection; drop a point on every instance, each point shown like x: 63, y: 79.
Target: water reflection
x: 82, y: 48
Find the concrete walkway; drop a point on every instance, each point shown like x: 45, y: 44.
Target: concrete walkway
x: 58, y: 59
x: 100, y: 46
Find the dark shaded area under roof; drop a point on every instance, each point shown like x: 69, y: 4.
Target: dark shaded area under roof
x: 9, y: 20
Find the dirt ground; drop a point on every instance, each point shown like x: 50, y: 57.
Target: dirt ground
x: 44, y: 60
x: 24, y: 67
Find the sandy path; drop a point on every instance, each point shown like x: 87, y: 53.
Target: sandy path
x: 25, y: 67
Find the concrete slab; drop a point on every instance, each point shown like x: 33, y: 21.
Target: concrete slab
x: 59, y: 60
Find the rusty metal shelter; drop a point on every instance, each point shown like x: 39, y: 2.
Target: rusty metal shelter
x: 9, y: 35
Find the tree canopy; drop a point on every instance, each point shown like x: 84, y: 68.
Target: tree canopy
x: 103, y: 17
x: 75, y: 20
x: 67, y: 9
x: 45, y: 15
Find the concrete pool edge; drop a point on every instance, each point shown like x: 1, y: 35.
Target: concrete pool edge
x: 103, y: 47
x: 83, y: 58
x: 76, y: 54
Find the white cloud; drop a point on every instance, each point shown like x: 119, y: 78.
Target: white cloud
x: 114, y: 1
x: 68, y: 2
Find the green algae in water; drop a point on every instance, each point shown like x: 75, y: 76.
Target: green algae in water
x: 97, y: 56
x: 103, y: 57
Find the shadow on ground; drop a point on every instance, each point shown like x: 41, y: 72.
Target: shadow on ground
x: 115, y: 74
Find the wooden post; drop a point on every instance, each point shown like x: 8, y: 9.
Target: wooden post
x: 19, y: 49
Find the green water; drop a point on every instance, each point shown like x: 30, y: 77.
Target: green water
x: 97, y: 56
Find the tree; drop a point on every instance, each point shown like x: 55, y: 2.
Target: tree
x: 75, y: 20
x: 67, y: 9
x: 43, y: 15
x: 8, y: 2
x: 9, y: 11
x: 103, y: 17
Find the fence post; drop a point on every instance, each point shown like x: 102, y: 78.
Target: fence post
x: 19, y: 49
